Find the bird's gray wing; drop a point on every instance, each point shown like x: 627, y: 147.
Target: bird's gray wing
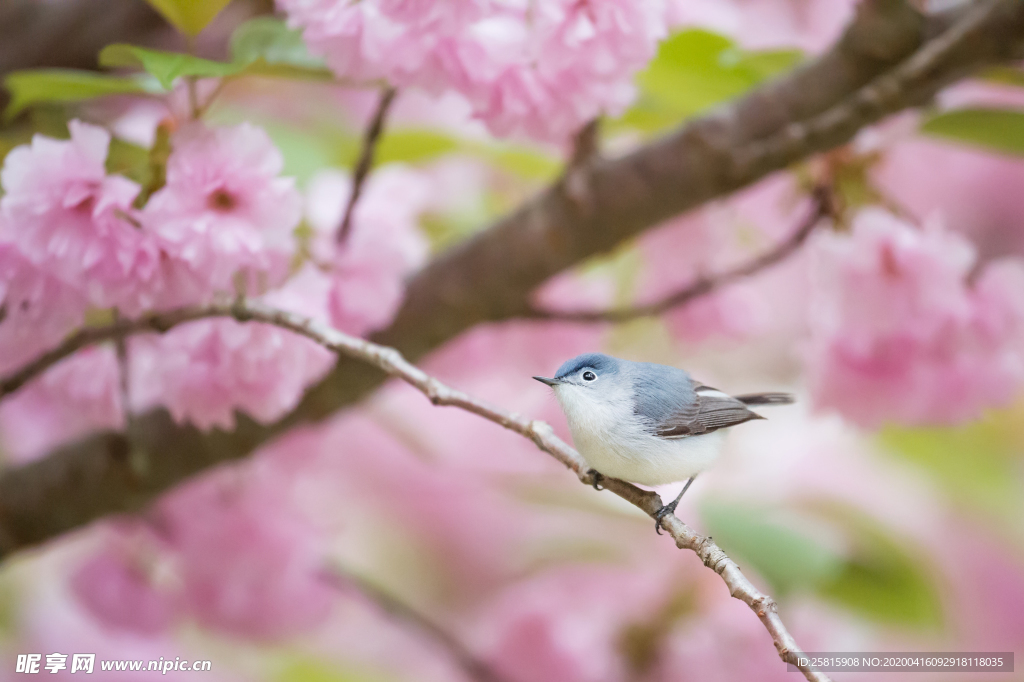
x: 709, y: 411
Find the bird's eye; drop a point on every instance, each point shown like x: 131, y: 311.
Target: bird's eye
x: 589, y: 376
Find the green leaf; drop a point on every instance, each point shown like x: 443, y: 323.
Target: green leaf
x: 788, y: 560
x: 35, y: 86
x: 306, y: 149
x: 695, y: 70
x: 765, y: 64
x: 413, y: 146
x: 522, y: 161
x: 269, y: 48
x: 313, y: 146
x: 977, y: 464
x: 189, y: 16
x: 884, y: 579
x: 999, y: 130
x: 166, y: 66
x: 271, y: 40
x: 129, y: 160
x: 312, y: 670
x: 1004, y: 75
x: 880, y: 578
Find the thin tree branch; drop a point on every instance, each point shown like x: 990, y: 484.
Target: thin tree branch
x: 370, y: 139
x: 161, y: 322
x: 474, y: 667
x: 119, y: 329
x: 704, y: 285
x: 938, y: 62
x: 492, y: 276
x: 211, y: 98
x: 392, y: 363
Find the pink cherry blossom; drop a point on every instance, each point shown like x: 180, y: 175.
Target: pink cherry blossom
x: 567, y: 623
x: 899, y: 335
x: 675, y: 256
x: 976, y: 192
x: 548, y: 71
x: 66, y: 215
x: 204, y: 370
x: 540, y: 68
x: 225, y: 210
x: 77, y: 396
x: 249, y: 563
x: 384, y: 245
x: 118, y: 592
x: 448, y: 515
x: 38, y: 309
x: 52, y: 620
x: 713, y: 240
x: 768, y: 24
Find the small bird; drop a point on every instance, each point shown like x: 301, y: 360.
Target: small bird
x: 647, y: 423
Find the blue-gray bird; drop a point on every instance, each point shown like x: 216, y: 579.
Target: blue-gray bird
x: 648, y: 423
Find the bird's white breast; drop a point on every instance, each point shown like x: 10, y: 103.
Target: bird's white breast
x: 615, y: 442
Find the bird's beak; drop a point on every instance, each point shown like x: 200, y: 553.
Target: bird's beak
x: 549, y: 382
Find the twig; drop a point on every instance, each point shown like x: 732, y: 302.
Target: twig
x: 214, y: 94
x: 195, y: 111
x: 159, y: 154
x: 120, y: 328
x: 124, y: 379
x: 703, y: 285
x: 474, y: 668
x: 370, y: 139
x: 392, y: 363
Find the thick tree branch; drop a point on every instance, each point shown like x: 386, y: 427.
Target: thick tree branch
x: 586, y: 147
x: 70, y: 34
x: 491, y: 277
x: 703, y: 285
x: 391, y: 362
x: 369, y: 149
x: 586, y: 144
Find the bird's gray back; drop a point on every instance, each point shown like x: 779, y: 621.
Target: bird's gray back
x: 675, y: 406
x: 659, y: 391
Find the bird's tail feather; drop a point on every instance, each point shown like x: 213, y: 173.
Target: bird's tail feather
x: 766, y: 399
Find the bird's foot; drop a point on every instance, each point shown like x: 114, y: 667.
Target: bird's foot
x: 669, y: 508
x: 596, y: 477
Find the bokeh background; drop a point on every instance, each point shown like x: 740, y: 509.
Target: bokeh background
x: 401, y: 541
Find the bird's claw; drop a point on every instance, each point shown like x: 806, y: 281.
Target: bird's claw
x: 596, y: 477
x: 662, y: 513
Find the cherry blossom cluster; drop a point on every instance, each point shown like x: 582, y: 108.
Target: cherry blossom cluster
x: 539, y: 68
x: 233, y: 553
x: 906, y: 326
x: 75, y: 244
